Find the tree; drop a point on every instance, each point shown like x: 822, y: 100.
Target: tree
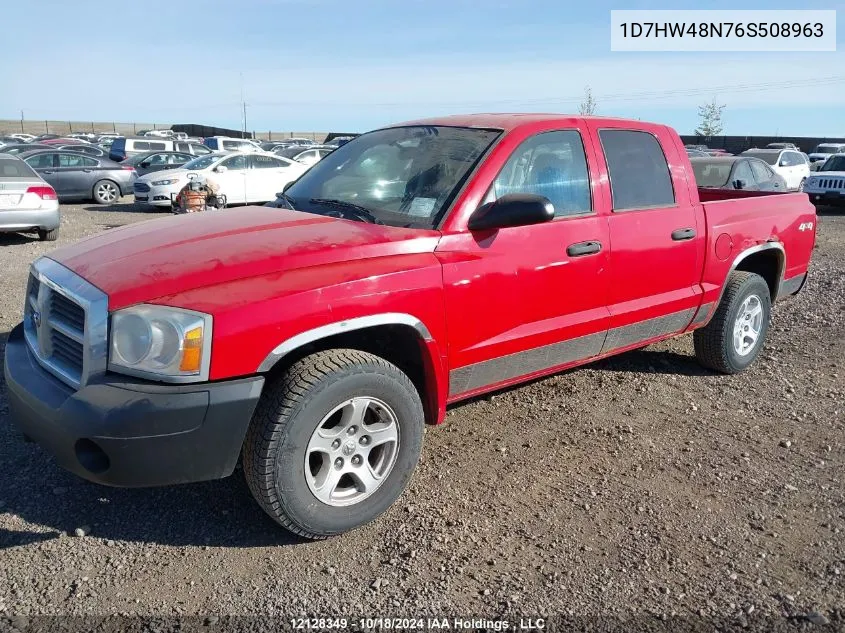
x: 711, y: 119
x: 588, y: 105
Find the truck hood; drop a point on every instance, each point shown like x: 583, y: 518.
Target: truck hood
x: 144, y: 261
x: 827, y: 174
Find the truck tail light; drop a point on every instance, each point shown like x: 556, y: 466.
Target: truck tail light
x: 43, y: 192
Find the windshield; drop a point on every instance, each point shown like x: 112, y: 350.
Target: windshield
x: 834, y: 163
x: 404, y: 176
x: 828, y: 149
x: 711, y: 173
x: 202, y: 162
x: 769, y: 157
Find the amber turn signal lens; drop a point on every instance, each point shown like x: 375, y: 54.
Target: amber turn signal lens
x: 192, y: 351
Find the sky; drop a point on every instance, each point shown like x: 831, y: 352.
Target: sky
x: 354, y: 65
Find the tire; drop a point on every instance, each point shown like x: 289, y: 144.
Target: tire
x: 105, y: 192
x: 715, y: 344
x: 48, y: 236
x: 801, y: 184
x: 280, y: 463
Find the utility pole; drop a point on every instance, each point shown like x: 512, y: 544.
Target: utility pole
x: 22, y: 130
x: 243, y: 105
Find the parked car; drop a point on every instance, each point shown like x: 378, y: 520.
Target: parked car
x: 718, y: 152
x: 44, y: 137
x: 736, y: 172
x: 306, y: 155
x: 76, y: 176
x: 302, y: 142
x: 27, y: 202
x: 826, y: 187
x: 271, y: 146
x: 341, y: 328
x: 159, y: 133
x: 88, y: 150
x: 782, y: 146
x: 337, y: 141
x: 123, y: 147
x: 23, y: 147
x: 698, y: 147
x: 786, y: 162
x: 26, y: 138
x: 157, y: 161
x: 9, y: 140
x: 62, y: 140
x: 696, y: 153
x: 243, y: 178
x: 227, y: 144
x: 824, y: 151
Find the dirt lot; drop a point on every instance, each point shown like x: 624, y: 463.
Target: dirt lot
x: 641, y: 486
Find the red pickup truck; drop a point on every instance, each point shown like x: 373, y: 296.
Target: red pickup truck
x: 414, y: 267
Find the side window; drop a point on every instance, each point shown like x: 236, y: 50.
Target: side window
x: 41, y: 161
x: 231, y: 145
x: 760, y: 170
x: 157, y: 159
x: 181, y: 147
x: 178, y: 159
x: 158, y: 146
x: 236, y: 162
x: 141, y: 145
x: 265, y: 162
x: 551, y: 164
x: 639, y: 173
x: 743, y: 172
x: 199, y: 150
x: 73, y: 160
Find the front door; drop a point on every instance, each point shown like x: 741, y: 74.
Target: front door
x: 521, y: 301
x: 657, y: 236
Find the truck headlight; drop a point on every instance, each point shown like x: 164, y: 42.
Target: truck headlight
x: 167, y: 181
x: 159, y: 342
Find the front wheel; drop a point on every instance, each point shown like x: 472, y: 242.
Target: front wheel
x: 333, y: 442
x: 735, y: 335
x: 801, y: 184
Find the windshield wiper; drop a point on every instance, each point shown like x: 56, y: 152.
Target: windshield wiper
x: 357, y: 210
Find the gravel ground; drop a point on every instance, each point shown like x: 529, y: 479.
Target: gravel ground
x: 639, y: 487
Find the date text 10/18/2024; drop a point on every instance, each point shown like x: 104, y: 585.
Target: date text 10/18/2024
x: 416, y: 624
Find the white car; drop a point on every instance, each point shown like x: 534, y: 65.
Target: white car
x: 827, y: 185
x: 228, y: 144
x: 821, y: 152
x: 25, y: 138
x: 27, y: 202
x: 792, y: 165
x: 244, y: 178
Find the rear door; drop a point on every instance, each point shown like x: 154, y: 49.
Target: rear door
x: 657, y: 235
x: 77, y: 174
x: 265, y: 179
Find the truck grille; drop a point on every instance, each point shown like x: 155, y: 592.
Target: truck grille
x: 832, y: 183
x: 65, y: 323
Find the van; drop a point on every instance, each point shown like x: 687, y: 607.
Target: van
x: 124, y: 147
x: 227, y: 144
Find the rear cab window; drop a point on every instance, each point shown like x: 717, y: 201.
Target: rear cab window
x: 638, y: 170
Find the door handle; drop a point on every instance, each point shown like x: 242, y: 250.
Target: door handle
x: 679, y: 235
x: 87, y: 171
x: 48, y: 171
x: 579, y: 249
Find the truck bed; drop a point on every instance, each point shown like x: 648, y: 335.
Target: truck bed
x: 711, y: 194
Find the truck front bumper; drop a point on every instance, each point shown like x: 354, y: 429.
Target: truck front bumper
x: 126, y: 432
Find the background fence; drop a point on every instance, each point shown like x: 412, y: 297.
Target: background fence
x: 738, y: 144
x: 12, y: 126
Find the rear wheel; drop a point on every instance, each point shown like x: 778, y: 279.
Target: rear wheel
x: 333, y: 442
x: 736, y: 333
x: 106, y: 192
x: 48, y: 236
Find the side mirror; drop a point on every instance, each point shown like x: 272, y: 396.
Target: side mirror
x: 513, y: 209
x: 220, y: 169
x: 740, y: 183
x: 782, y: 163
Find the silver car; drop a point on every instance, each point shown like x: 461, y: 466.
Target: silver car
x: 27, y: 203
